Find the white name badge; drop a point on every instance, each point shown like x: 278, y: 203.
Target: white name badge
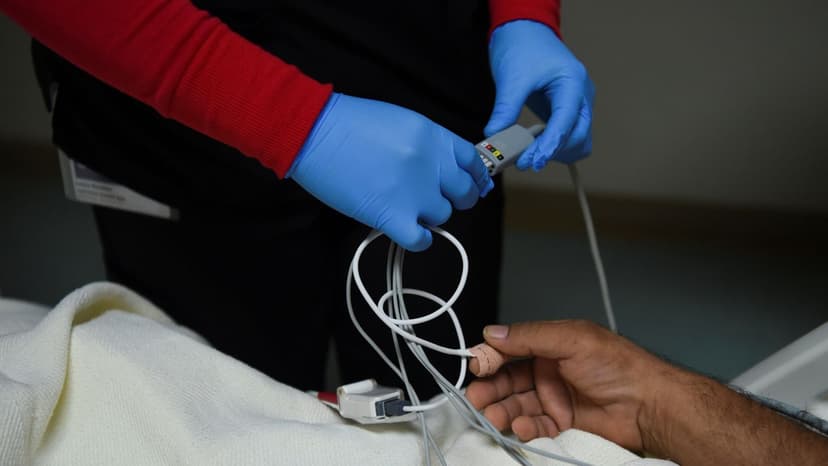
x: 82, y: 184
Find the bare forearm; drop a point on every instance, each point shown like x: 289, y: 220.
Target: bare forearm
x: 697, y: 421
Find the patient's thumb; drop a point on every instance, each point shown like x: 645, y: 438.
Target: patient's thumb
x: 546, y: 339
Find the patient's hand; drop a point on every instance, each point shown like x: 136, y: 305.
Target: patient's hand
x: 578, y: 375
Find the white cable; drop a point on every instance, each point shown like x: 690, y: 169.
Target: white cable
x: 395, y: 297
x: 402, y: 326
x: 393, y: 324
x: 399, y: 310
x: 362, y: 331
x: 396, y: 256
x: 464, y: 273
x: 593, y: 246
x: 593, y: 242
x: 479, y: 422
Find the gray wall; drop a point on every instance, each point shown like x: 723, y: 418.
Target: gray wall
x: 23, y: 116
x: 713, y: 101
x: 710, y: 100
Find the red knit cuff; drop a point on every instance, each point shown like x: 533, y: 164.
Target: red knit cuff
x: 547, y: 12
x: 281, y: 145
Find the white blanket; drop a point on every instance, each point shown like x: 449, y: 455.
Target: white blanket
x: 106, y: 378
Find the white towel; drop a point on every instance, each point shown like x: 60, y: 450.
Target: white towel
x: 106, y: 378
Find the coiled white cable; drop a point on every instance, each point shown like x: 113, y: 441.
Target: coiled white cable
x: 401, y: 325
x: 398, y: 325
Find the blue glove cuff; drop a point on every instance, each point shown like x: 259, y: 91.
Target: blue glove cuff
x: 517, y: 23
x: 320, y: 120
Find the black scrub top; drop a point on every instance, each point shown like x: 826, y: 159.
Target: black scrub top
x: 427, y: 55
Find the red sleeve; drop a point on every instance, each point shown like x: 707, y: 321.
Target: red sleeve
x: 547, y: 12
x: 187, y: 65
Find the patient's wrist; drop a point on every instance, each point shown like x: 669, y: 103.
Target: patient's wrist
x: 672, y: 407
x: 692, y: 420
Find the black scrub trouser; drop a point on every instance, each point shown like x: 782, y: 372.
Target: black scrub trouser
x: 268, y: 287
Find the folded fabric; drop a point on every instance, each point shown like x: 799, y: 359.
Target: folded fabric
x: 107, y: 378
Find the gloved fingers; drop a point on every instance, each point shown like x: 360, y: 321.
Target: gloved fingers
x: 489, y: 187
x: 466, y: 157
x: 407, y: 233
x: 458, y: 187
x: 566, y: 97
x: 579, y: 144
x: 524, y: 161
x: 438, y: 212
x: 509, y: 99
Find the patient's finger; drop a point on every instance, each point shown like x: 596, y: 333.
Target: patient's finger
x: 502, y: 413
x: 512, y: 378
x: 554, y: 396
x: 481, y: 393
x: 531, y: 427
x: 553, y: 339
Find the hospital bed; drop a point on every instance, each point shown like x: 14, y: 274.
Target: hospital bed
x: 107, y: 378
x: 796, y: 375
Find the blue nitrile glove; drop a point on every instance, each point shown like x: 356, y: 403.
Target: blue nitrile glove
x: 389, y: 168
x: 528, y: 59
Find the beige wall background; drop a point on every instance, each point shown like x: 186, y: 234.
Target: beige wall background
x: 704, y: 101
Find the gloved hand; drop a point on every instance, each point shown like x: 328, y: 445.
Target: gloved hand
x: 528, y: 59
x: 389, y: 168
